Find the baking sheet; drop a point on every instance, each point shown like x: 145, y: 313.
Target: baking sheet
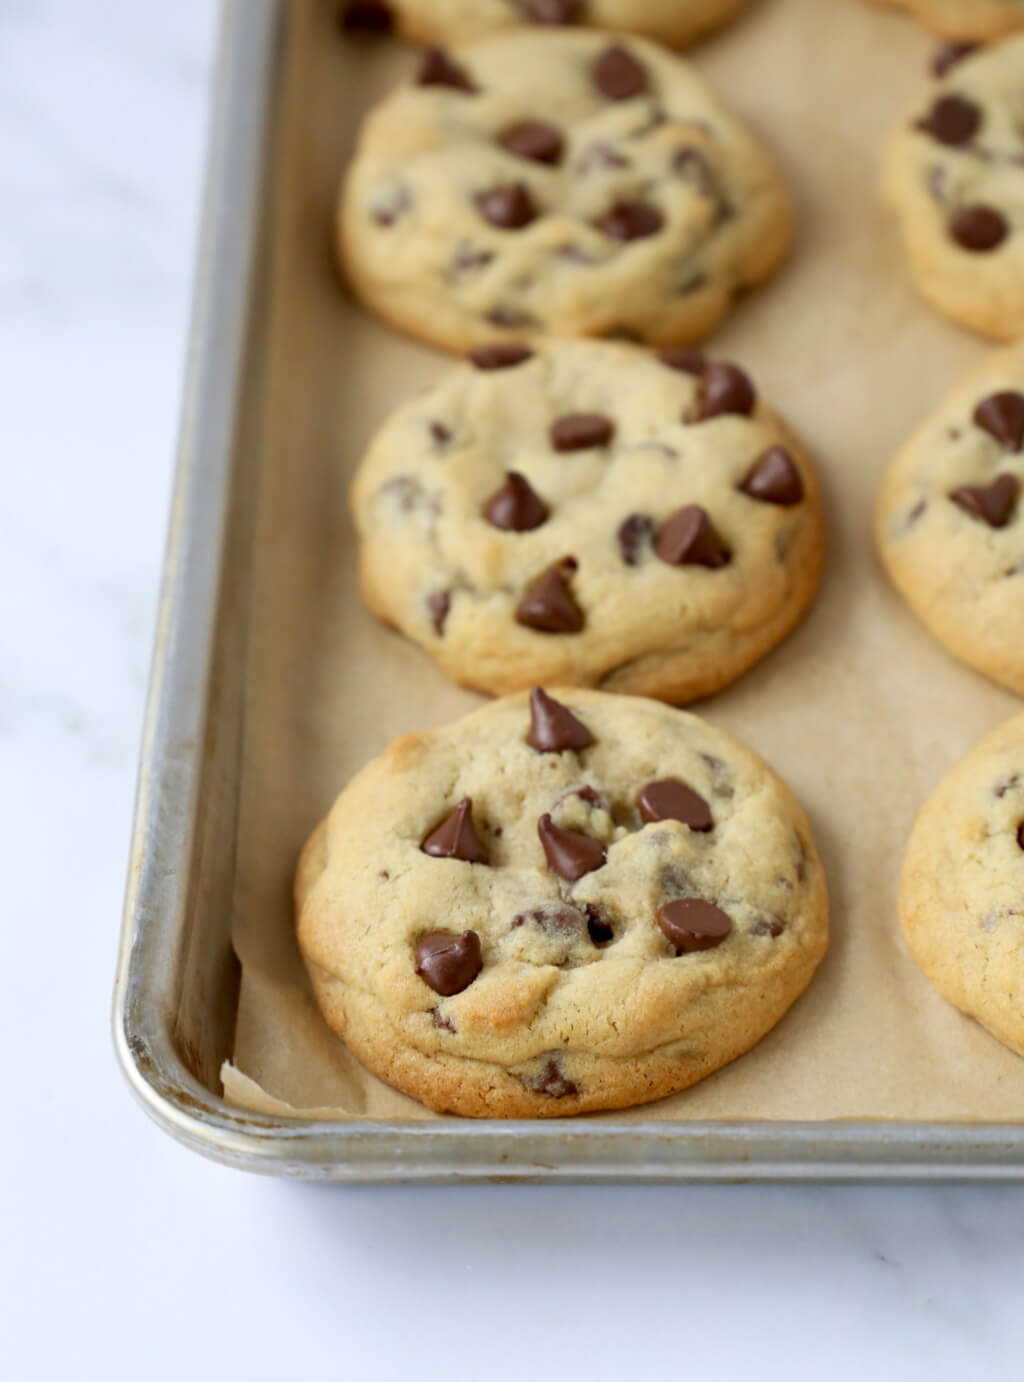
x: 860, y: 711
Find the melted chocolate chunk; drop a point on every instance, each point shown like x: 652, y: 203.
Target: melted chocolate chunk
x: 448, y: 963
x: 534, y: 140
x: 994, y: 504
x: 455, y: 837
x: 691, y: 924
x: 978, y: 228
x: 491, y: 357
x: 437, y: 69
x: 627, y: 221
x: 618, y: 75
x: 440, y: 1020
x: 440, y: 434
x: 688, y: 539
x: 550, y: 1081
x: 671, y: 800
x: 366, y: 17
x: 598, y: 926
x: 553, y: 726
x: 549, y: 605
x: 952, y: 120
x: 509, y: 208
x: 686, y: 359
x: 1020, y: 835
x: 569, y: 854
x: 580, y: 431
x: 515, y: 507
x: 949, y: 55
x: 774, y: 479
x: 439, y: 604
x: 723, y: 389
x: 1001, y: 415
x: 634, y: 533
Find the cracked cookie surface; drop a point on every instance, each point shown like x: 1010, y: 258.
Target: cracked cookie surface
x: 559, y: 183
x: 950, y: 524
x: 560, y: 903
x: 592, y: 513
x: 449, y: 21
x: 962, y: 888
x: 954, y: 174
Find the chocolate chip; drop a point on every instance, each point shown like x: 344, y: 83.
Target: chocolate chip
x: 770, y: 927
x: 951, y: 120
x: 550, y: 1081
x: 618, y: 75
x: 468, y: 258
x: 509, y: 208
x: 627, y: 221
x: 439, y: 604
x: 534, y: 140
x: 455, y: 837
x: 553, y: 726
x: 978, y: 228
x: 634, y: 532
x: 1001, y: 415
x: 1001, y: 788
x: 993, y: 504
x: 690, y: 923
x: 366, y: 17
x: 949, y: 55
x: 671, y: 800
x: 598, y: 929
x: 723, y: 389
x: 514, y: 317
x: 448, y: 963
x: 438, y: 69
x: 515, y: 507
x: 579, y: 431
x: 491, y: 357
x: 686, y: 359
x: 441, y: 1021
x: 687, y: 538
x: 440, y: 434
x: 549, y: 605
x: 1020, y: 835
x: 569, y: 854
x: 774, y: 479
x: 553, y: 11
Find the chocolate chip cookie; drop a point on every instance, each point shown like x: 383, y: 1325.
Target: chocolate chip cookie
x: 966, y: 19
x: 447, y: 21
x: 593, y: 513
x: 565, y: 901
x: 560, y: 183
x: 954, y: 173
x: 962, y: 890
x: 950, y: 525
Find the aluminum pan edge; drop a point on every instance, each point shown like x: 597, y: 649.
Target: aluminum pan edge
x: 174, y: 741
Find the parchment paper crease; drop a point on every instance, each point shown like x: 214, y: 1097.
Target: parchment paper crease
x: 860, y: 710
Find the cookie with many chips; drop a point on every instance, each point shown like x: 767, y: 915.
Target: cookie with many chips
x: 563, y: 902
x: 950, y: 526
x: 954, y: 174
x: 593, y: 513
x: 962, y: 889
x: 560, y: 183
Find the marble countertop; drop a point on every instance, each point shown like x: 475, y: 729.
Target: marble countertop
x: 125, y: 1255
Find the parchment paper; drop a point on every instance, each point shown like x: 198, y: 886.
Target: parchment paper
x: 860, y: 710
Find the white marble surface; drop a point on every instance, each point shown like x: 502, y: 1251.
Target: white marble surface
x: 124, y: 1255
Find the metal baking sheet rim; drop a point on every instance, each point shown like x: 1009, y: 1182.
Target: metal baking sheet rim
x: 174, y: 759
